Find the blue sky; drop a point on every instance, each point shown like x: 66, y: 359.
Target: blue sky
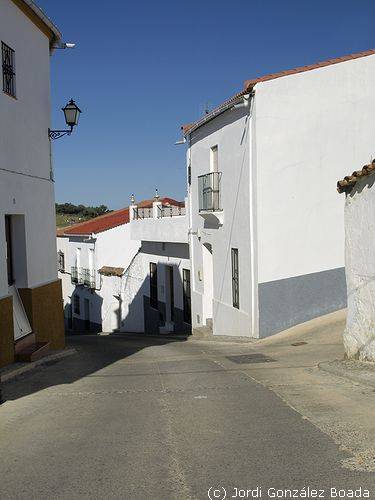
x: 141, y: 69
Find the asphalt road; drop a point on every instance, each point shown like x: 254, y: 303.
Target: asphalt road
x: 153, y: 419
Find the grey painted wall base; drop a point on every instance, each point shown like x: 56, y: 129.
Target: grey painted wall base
x: 288, y: 302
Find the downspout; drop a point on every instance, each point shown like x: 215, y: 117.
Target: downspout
x: 253, y: 222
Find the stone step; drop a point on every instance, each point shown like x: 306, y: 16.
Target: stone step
x: 33, y: 352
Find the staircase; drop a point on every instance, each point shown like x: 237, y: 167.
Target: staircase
x: 203, y: 332
x: 32, y: 352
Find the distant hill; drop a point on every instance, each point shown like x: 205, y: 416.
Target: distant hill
x: 68, y: 213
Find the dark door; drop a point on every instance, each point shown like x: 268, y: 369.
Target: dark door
x: 9, y: 255
x: 171, y: 292
x: 87, y: 314
x: 187, y: 295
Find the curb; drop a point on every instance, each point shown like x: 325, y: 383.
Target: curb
x: 17, y: 371
x: 338, y: 368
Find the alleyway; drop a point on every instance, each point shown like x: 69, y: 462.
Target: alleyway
x: 147, y: 418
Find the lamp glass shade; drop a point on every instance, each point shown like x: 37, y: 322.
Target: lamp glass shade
x: 71, y: 112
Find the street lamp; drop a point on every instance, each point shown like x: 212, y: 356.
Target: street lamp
x: 71, y: 112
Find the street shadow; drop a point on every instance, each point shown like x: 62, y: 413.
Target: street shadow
x: 93, y: 353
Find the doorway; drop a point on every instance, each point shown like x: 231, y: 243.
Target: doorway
x: 170, y: 281
x: 16, y: 271
x: 208, y: 281
x: 86, y: 306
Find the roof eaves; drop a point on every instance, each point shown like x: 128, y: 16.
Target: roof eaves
x: 348, y: 182
x: 188, y: 129
x: 52, y: 28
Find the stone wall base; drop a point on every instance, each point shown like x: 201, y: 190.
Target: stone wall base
x: 6, y: 332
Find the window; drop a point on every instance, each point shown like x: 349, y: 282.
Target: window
x: 61, y: 261
x: 77, y: 305
x: 153, y: 285
x: 187, y: 295
x: 235, y: 279
x: 9, y: 249
x: 9, y: 70
x: 214, y: 166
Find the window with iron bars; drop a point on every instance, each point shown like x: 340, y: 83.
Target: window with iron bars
x: 235, y: 279
x: 61, y: 261
x: 9, y: 70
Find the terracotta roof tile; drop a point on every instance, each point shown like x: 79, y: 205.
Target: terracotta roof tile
x: 347, y: 183
x: 110, y: 220
x: 111, y: 271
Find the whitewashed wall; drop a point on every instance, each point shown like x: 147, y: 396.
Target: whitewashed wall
x: 230, y: 131
x: 359, y: 335
x: 312, y: 129
x: 24, y: 149
x: 112, y: 248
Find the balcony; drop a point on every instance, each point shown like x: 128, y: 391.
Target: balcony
x: 88, y: 278
x: 75, y: 275
x: 209, y: 189
x: 170, y: 211
x: 143, y: 213
x: 82, y: 276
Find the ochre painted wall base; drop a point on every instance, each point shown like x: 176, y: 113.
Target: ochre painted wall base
x: 44, y: 308
x: 6, y: 332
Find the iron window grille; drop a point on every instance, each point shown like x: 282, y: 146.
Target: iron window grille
x: 153, y: 285
x: 235, y: 279
x: 209, y: 192
x: 186, y: 295
x: 9, y: 70
x: 77, y: 305
x: 61, y: 261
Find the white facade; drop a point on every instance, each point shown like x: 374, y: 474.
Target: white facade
x: 118, y: 260
x: 26, y: 185
x: 278, y: 159
x: 164, y: 244
x: 113, y: 248
x: 359, y: 334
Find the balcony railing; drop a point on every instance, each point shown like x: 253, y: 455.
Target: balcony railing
x: 75, y: 275
x: 88, y: 278
x: 170, y: 211
x: 83, y: 276
x: 209, y: 192
x: 143, y: 213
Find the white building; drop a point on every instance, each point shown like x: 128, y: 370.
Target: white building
x: 359, y: 335
x: 266, y: 229
x: 30, y: 293
x: 105, y: 269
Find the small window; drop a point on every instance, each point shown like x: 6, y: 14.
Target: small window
x: 77, y: 305
x: 235, y: 279
x: 187, y: 295
x: 9, y: 70
x: 153, y: 285
x: 61, y: 261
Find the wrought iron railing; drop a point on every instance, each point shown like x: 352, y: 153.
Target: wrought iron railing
x: 88, y: 278
x: 83, y: 276
x: 209, y: 192
x: 170, y: 211
x: 75, y: 275
x: 143, y: 212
